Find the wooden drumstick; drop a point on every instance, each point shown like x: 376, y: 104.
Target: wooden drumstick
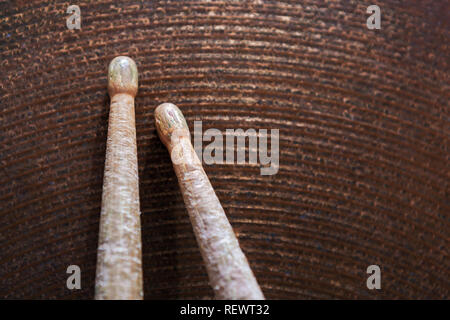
x: 228, y: 269
x: 119, y: 258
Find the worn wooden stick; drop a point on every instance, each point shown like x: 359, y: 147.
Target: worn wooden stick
x: 228, y: 269
x: 119, y: 259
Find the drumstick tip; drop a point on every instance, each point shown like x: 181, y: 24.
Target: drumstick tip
x: 169, y: 118
x: 122, y: 76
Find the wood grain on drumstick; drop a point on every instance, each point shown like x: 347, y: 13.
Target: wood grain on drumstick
x: 228, y: 269
x: 119, y: 258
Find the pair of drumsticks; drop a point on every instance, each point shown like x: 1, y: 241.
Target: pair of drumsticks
x: 119, y: 259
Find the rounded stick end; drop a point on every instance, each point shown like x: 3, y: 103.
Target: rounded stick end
x: 122, y: 76
x: 169, y: 120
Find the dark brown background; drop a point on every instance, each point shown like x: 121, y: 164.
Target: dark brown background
x: 363, y: 118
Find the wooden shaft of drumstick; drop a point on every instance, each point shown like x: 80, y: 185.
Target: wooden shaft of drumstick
x: 228, y: 269
x: 119, y: 258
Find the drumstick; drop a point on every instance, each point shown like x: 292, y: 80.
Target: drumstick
x: 119, y: 265
x: 229, y: 272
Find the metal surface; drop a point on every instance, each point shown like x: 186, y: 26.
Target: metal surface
x: 364, y: 135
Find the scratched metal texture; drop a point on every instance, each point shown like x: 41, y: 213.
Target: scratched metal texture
x: 364, y: 142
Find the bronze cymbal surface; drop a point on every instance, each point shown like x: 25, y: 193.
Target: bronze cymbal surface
x: 363, y: 120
